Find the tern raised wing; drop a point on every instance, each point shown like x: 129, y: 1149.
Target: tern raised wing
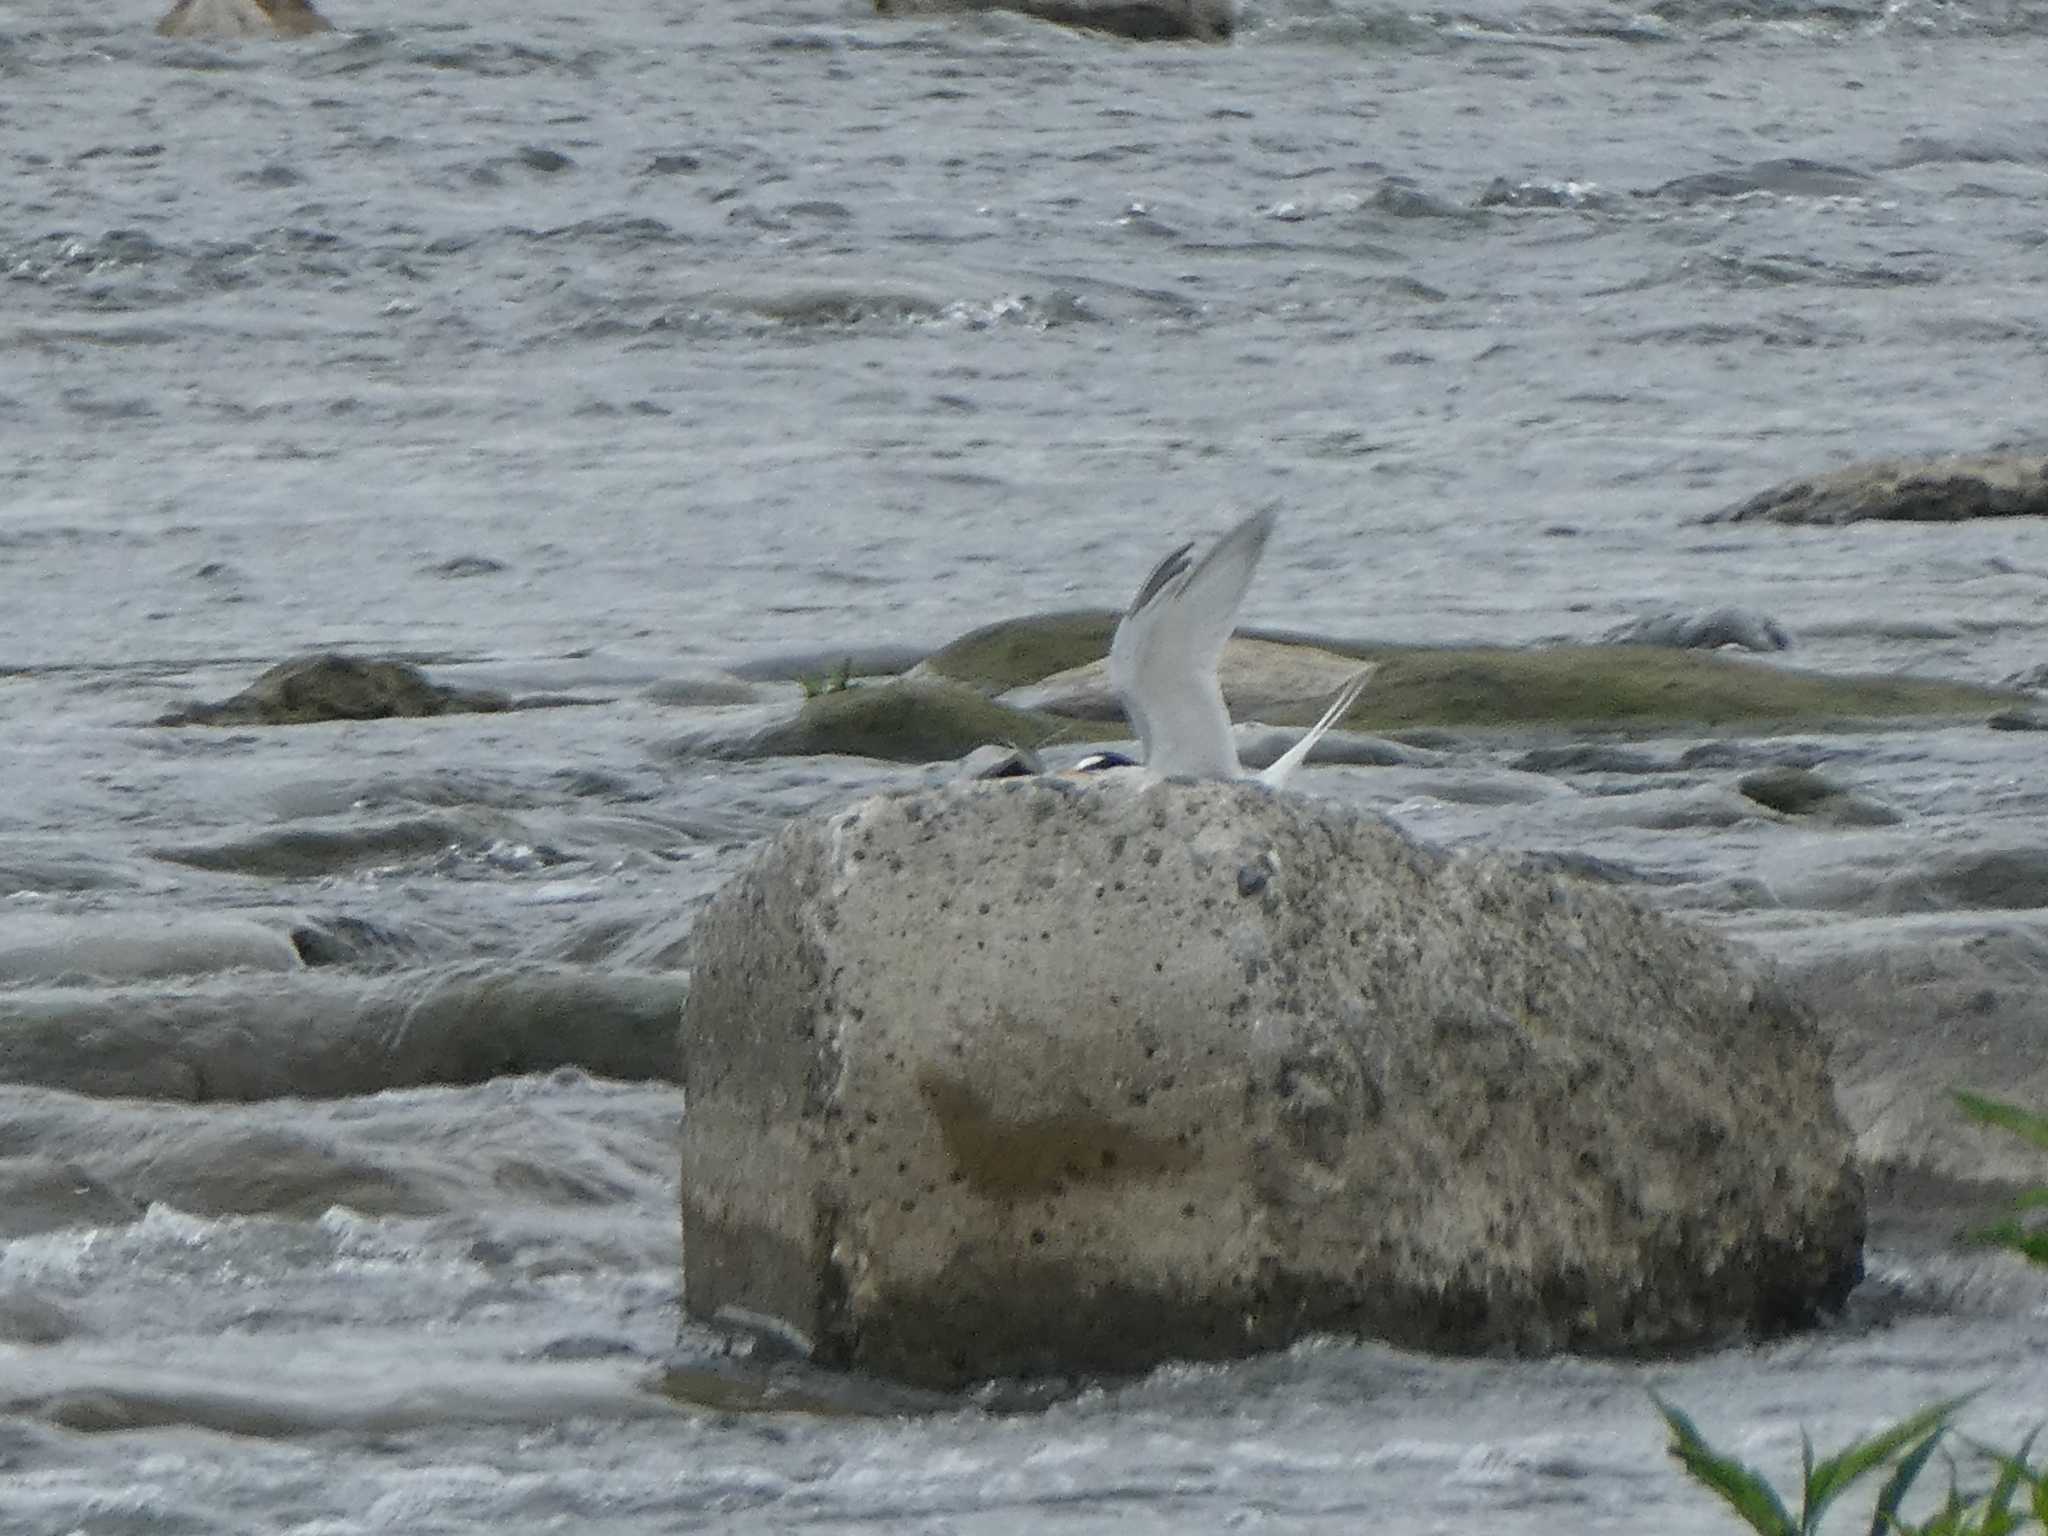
x: 1162, y: 662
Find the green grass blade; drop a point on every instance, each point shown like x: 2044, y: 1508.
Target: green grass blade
x: 2013, y: 1470
x: 1866, y: 1456
x: 1746, y: 1493
x: 2028, y: 1243
x: 1884, y: 1519
x: 2008, y: 1117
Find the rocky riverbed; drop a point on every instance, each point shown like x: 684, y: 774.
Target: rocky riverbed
x: 632, y: 367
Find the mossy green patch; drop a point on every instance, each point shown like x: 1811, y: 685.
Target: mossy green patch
x: 1014, y: 652
x: 910, y: 721
x: 1794, y: 791
x: 309, y: 689
x: 1628, y: 685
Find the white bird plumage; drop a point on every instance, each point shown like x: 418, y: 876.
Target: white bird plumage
x: 1163, y: 660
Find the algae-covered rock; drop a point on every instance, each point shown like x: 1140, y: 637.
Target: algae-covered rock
x: 1935, y: 490
x: 242, y: 18
x: 1702, y: 630
x: 908, y: 721
x: 1261, y: 680
x: 1802, y: 792
x: 1045, y: 1077
x: 333, y: 1032
x: 1053, y: 663
x: 1912, y: 1013
x: 1147, y: 21
x: 327, y: 686
x: 1636, y: 686
x: 2018, y: 720
x: 1013, y: 652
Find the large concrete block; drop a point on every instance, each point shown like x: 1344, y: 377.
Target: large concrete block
x: 1034, y: 1076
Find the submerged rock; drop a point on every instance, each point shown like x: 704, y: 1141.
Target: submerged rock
x: 1913, y: 1012
x: 1148, y: 21
x: 132, y: 947
x: 242, y: 18
x: 1012, y: 652
x: 1261, y: 680
x: 1790, y: 177
x: 1705, y: 631
x: 1052, y: 663
x: 1030, y: 1077
x: 910, y: 720
x: 1802, y: 792
x: 327, y: 686
x: 2018, y: 720
x: 996, y: 761
x: 329, y: 1032
x: 43, y: 1194
x: 1938, y: 490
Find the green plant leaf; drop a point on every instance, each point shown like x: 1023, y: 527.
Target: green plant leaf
x: 1745, y: 1492
x: 2029, y: 1243
x: 2008, y: 1117
x: 1884, y: 1519
x: 1828, y: 1479
x: 2013, y: 1470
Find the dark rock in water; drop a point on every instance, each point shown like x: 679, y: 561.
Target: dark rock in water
x: 461, y: 567
x: 2018, y: 720
x: 307, y: 689
x: 1147, y: 21
x: 585, y: 1346
x: 242, y: 18
x: 343, y: 940
x: 26, y: 1318
x: 538, y: 157
x: 1767, y: 753
x: 1802, y: 792
x: 133, y: 947
x: 42, y: 1194
x: 1589, y: 866
x: 1994, y: 879
x: 1592, y: 757
x: 851, y: 661
x: 1911, y: 1015
x: 1635, y: 686
x: 300, y: 852
x: 2033, y: 679
x: 906, y: 721
x: 1028, y: 1078
x: 330, y: 1032
x: 1702, y: 631
x: 1012, y: 652
x: 1261, y: 680
x: 1939, y: 490
x: 1787, y: 177
x: 1502, y: 193
x: 996, y: 761
x: 1259, y: 748
x: 1791, y: 790
x: 706, y: 690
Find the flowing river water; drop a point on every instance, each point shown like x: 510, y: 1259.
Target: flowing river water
x: 594, y: 352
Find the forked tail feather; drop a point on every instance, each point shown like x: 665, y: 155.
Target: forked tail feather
x: 1283, y: 768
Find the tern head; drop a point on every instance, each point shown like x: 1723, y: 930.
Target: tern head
x: 1163, y: 660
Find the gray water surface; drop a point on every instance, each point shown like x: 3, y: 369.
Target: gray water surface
x: 581, y: 352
